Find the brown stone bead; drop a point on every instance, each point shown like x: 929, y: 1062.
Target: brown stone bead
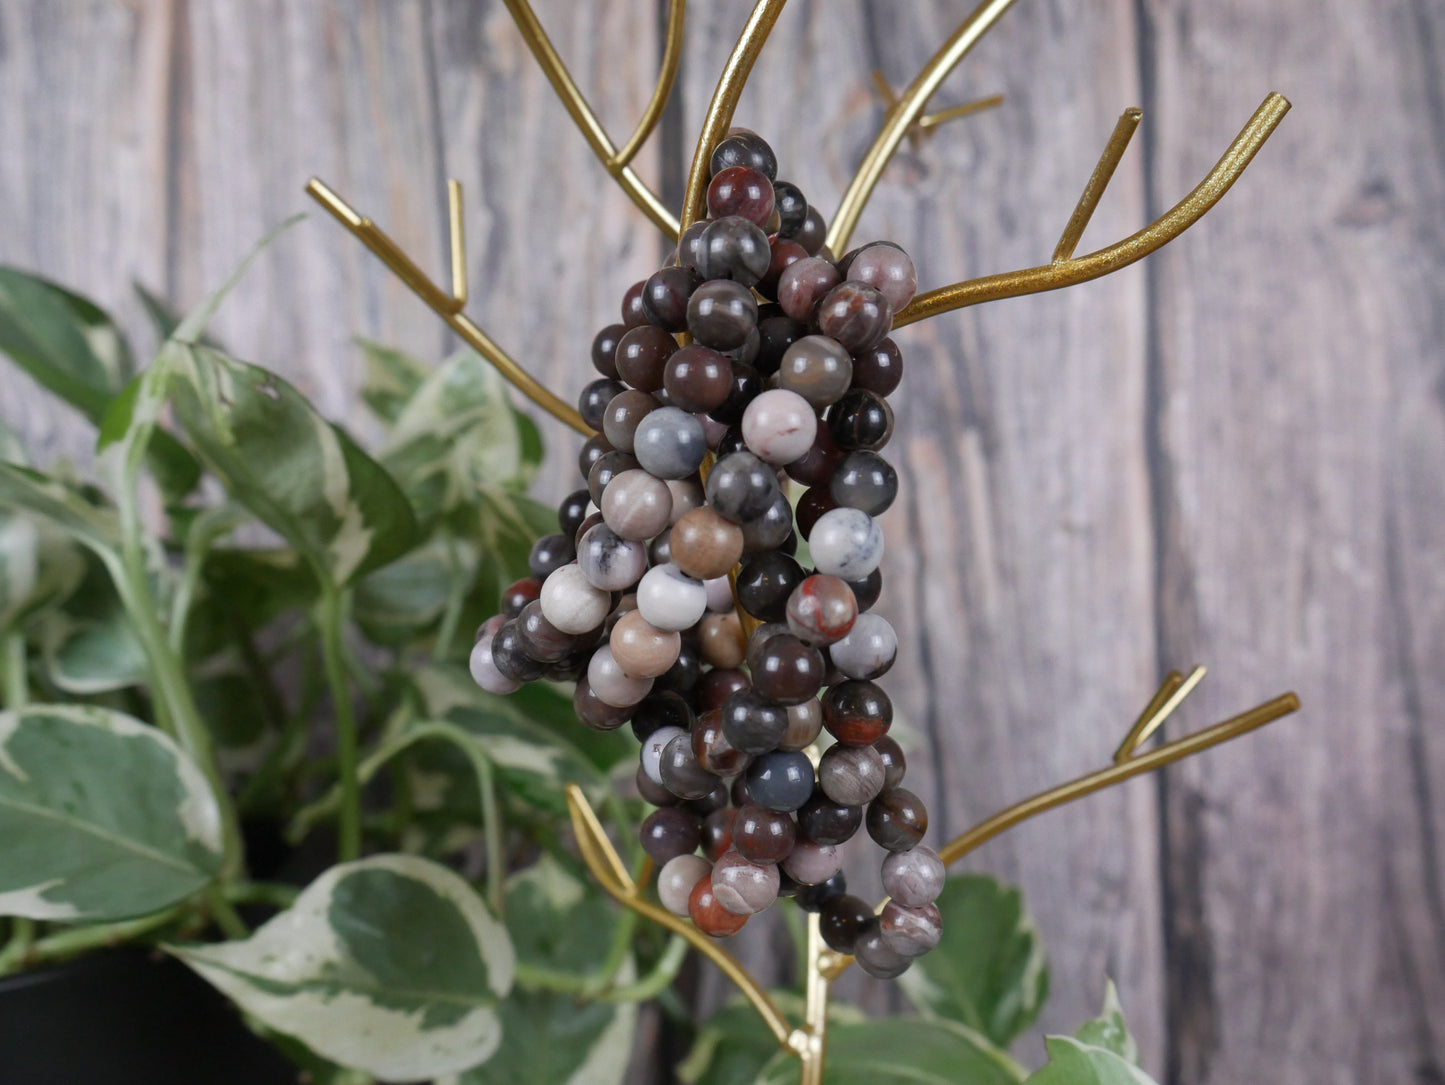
x: 620, y: 420
x: 783, y: 256
x: 593, y: 712
x: 815, y: 467
x: 788, y: 671
x: 653, y: 793
x: 879, y: 369
x: 804, y: 284
x: 842, y: 920
x: 743, y: 887
x: 665, y: 294
x: 710, y: 916
x: 714, y: 752
x: 763, y: 836
x: 821, y: 610
x: 697, y: 378
x: 856, y: 315
x: 741, y: 190
x: 717, y: 685
x: 704, y: 545
x: 717, y: 832
x: 911, y: 932
x: 811, y: 506
x: 851, y: 775
x: 722, y: 639
x: 640, y: 648
x: 894, y: 763
x: 522, y: 592
x: 805, y: 724
x: 633, y: 315
x: 641, y: 355
x: 897, y: 819
x: 604, y: 349
x: 818, y: 368
x: 857, y: 713
x: 823, y: 821
x: 889, y: 270
x: 669, y: 832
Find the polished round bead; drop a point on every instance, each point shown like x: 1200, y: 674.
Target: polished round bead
x: 764, y: 583
x: 758, y: 642
x: 741, y: 487
x: 689, y: 245
x: 595, y: 713
x: 712, y: 748
x: 781, y: 780
x: 911, y: 932
x: 572, y: 511
x: 608, y: 467
x: 743, y: 887
x: 650, y: 756
x: 821, y: 609
x: 851, y: 775
x: 842, y: 920
x: 641, y: 356
x: 867, y: 589
x: 894, y: 763
x: 571, y: 604
x: 665, y: 294
x: 518, y: 594
x: 861, y: 419
x: 570, y: 667
x: 845, y: 543
x: 624, y: 414
x: 542, y: 640
x: 776, y: 333
x: 897, y: 819
x: 864, y: 480
x: 632, y: 312
x: 811, y: 863
x: 876, y: 958
x: 824, y: 821
x: 659, y: 709
x: 676, y: 879
x: 636, y: 505
x: 722, y: 314
x: 653, y: 794
x: 719, y: 594
x: 779, y: 426
x: 741, y: 190
x: 549, y: 553
x: 604, y: 349
x: 752, y: 723
x: 704, y: 544
x: 682, y: 773
x: 670, y: 832
x: 670, y: 599
x: 914, y: 877
x: 867, y: 650
x: 879, y: 369
x: 805, y: 724
x: 659, y: 547
x: 788, y: 671
x: 592, y: 403
x: 484, y: 669
x: 857, y: 316
x: 593, y: 449
x: 792, y: 207
x: 811, y: 507
x: 769, y: 531
x: 743, y: 148
x: 641, y: 649
x: 686, y: 495
x: 814, y: 898
x: 731, y: 248
x: 610, y: 562
x: 814, y: 231
x: 697, y: 378
x: 715, y: 800
x: 722, y: 640
x: 889, y: 270
x: 763, y: 836
x: 669, y: 443
x: 710, y: 916
x: 747, y: 385
x: 783, y: 254
x: 611, y: 684
x: 816, y: 465
x: 684, y: 675
x: 857, y: 713
x: 717, y: 832
x: 803, y: 285
x: 818, y: 369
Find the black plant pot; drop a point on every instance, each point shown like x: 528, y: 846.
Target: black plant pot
x: 124, y: 1017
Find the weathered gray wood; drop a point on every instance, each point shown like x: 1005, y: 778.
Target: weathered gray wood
x: 1231, y: 455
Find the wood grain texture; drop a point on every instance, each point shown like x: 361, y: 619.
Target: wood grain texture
x: 1231, y: 454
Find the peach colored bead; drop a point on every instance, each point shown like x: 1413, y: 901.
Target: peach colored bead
x: 641, y: 649
x: 722, y: 640
x: 704, y: 545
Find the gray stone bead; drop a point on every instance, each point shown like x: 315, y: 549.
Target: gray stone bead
x: 676, y: 879
x: 740, y: 487
x: 571, y: 604
x: 875, y: 956
x: 770, y: 530
x: 670, y: 599
x: 914, y: 877
x: 742, y: 887
x: 734, y: 248
x: 681, y: 772
x: 869, y: 649
x: 812, y: 864
x: 887, y: 269
x: 484, y: 669
x: 611, y: 684
x: 669, y: 443
x: 851, y: 775
x: 650, y: 755
x: 722, y: 315
x: 610, y: 562
x: 636, y: 505
x: 846, y: 543
x: 862, y: 480
x: 817, y: 368
x: 781, y: 781
x: 910, y: 932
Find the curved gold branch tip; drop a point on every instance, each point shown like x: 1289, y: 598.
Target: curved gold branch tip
x: 924, y: 125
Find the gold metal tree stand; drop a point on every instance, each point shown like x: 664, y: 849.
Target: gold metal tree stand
x: 905, y: 117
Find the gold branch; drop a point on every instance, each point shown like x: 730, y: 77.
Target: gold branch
x: 1158, y: 233
x: 447, y: 306
x: 1098, y: 181
x: 614, y: 161
x: 929, y: 121
x: 902, y: 117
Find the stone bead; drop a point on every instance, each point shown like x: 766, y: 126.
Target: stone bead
x: 811, y: 863
x: 814, y: 898
x: 632, y: 313
x: 542, y: 640
x: 712, y: 748
x: 742, y: 887
x: 743, y: 148
x: 518, y: 594
x: 879, y: 369
x: 815, y: 502
x: 867, y: 650
x: 484, y: 669
x: 717, y: 832
x: 876, y: 958
x: 747, y: 385
x: 665, y: 294
x: 641, y: 649
x: 845, y: 543
x: 824, y: 821
x: 910, y: 932
x: 659, y: 548
x: 821, y: 610
x: 897, y: 819
x: 670, y: 832
x: 705, y: 545
x: 857, y: 713
x: 752, y: 723
x: 593, y: 449
x: 684, y: 675
x: 813, y: 232
x: 867, y: 590
x: 815, y: 466
x: 771, y: 530
x: 763, y: 836
x: 682, y: 773
x: 592, y: 403
x: 781, y: 781
x: 857, y: 316
x: 779, y: 426
x: 805, y: 724
x: 595, y: 713
x: 572, y: 510
x: 719, y: 594
x: 818, y: 368
x: 610, y: 562
x: 894, y: 763
x: 851, y: 775
x: 717, y: 685
x: 722, y: 640
x: 803, y: 285
x: 689, y: 245
x: 604, y: 349
x: 861, y: 419
x: 611, y: 683
x: 570, y: 667
x: 670, y: 599
x: 659, y: 709
x: 510, y: 656
x: 670, y: 443
x: 776, y: 333
x: 624, y: 414
x: 686, y: 496
x: 650, y: 756
x: 741, y: 190
x: 740, y: 487
x: 676, y: 879
x: 571, y: 604
x: 636, y: 505
x: 653, y: 794
x: 697, y: 378
x: 593, y: 519
x: 764, y: 583
x: 788, y: 672
x: 642, y: 355
x: 864, y: 480
x: 914, y: 877
x: 607, y: 467
x: 842, y: 920
x: 792, y: 207
x: 783, y: 254
x: 715, y: 800
x: 722, y: 314
x: 889, y: 270
x: 710, y: 916
x: 732, y: 248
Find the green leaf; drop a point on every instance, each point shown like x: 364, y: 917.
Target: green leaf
x: 391, y: 965
x: 562, y: 925
x: 232, y: 707
x: 39, y: 566
x: 904, y: 1051
x: 97, y: 654
x: 61, y: 505
x: 131, y: 422
x: 392, y: 378
x: 989, y: 973
x: 400, y: 602
x: 163, y: 318
x: 1108, y: 1030
x: 1072, y: 1062
x: 255, y: 586
x: 300, y: 475
x: 101, y: 816
x: 64, y: 342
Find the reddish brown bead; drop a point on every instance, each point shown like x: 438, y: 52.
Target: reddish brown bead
x: 842, y: 920
x: 784, y: 254
x: 714, y: 752
x: 710, y: 916
x: 894, y: 763
x: 717, y: 685
x: 788, y: 672
x: 593, y: 712
x: 521, y: 592
x: 717, y: 832
x: 857, y: 713
x: 697, y: 378
x: 641, y: 355
x: 856, y: 315
x: 879, y: 369
x: 811, y: 506
x: 741, y: 190
x: 633, y: 315
x: 803, y: 285
x: 604, y: 349
x: 897, y: 819
x: 815, y: 467
x: 723, y: 642
x: 763, y: 836
x: 821, y: 610
x: 665, y: 294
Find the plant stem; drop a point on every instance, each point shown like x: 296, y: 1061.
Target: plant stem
x: 447, y: 631
x: 17, y: 947
x: 271, y: 894
x: 231, y: 924
x: 657, y: 980
x: 17, y: 681
x: 491, y: 831
x: 68, y: 943
x: 329, y: 620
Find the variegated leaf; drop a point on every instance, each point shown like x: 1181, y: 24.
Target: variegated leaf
x: 1109, y: 1029
x: 904, y: 1051
x: 1072, y: 1062
x: 101, y: 816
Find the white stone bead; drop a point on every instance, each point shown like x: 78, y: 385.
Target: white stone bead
x: 572, y: 604
x: 670, y: 599
x: 868, y: 650
x: 651, y: 755
x: 719, y: 594
x: 611, y: 684
x: 846, y: 543
x: 484, y: 671
x: 779, y: 426
x: 676, y: 879
x: 609, y: 562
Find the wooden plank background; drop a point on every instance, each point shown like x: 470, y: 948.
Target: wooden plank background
x: 1231, y: 454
